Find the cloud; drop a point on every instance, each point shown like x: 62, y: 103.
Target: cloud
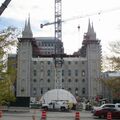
x: 42, y: 11
x: 5, y: 22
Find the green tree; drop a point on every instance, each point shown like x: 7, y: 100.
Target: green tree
x: 7, y: 76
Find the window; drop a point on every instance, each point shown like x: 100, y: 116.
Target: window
x: 48, y: 53
x: 62, y: 72
x: 83, y: 62
x: 41, y: 91
x: 69, y: 80
x: 34, y: 80
x: 34, y: 90
x: 69, y: 72
x: 41, y: 62
x: 34, y: 62
x: 110, y: 106
x: 48, y: 80
x: 83, y: 91
x: 76, y: 72
x: 22, y: 90
x: 69, y: 62
x: 83, y: 73
x: 76, y: 89
x: 76, y: 62
x: 48, y: 62
x: 48, y: 89
x: 48, y: 72
x: 118, y: 106
x: 48, y: 44
x: 83, y: 80
x: 62, y: 80
x: 76, y: 80
x: 35, y: 72
x: 69, y: 89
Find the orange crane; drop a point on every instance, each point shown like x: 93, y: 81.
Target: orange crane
x: 4, y: 6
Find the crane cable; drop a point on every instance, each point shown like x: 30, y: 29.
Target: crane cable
x: 83, y: 16
x: 92, y: 14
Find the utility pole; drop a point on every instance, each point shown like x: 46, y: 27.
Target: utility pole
x: 4, y: 6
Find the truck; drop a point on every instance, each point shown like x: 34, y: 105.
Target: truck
x: 59, y: 105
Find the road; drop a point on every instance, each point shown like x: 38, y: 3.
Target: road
x: 84, y: 115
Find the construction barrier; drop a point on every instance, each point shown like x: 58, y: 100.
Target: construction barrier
x: 43, y: 116
x: 77, y: 116
x: 1, y: 114
x: 109, y: 116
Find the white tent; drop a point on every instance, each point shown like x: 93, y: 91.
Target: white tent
x: 58, y: 94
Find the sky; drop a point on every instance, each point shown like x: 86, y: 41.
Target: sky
x: 105, y: 15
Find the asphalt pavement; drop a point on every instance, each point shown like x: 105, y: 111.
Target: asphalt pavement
x: 36, y: 114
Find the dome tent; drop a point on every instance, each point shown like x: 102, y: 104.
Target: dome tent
x: 58, y: 94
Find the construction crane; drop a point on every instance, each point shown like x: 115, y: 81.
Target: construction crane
x: 4, y: 6
x: 58, y: 37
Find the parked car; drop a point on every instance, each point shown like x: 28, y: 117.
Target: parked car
x: 108, y: 105
x: 102, y: 113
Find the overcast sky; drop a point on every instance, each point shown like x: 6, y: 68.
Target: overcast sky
x: 105, y: 15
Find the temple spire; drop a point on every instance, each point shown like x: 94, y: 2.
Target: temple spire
x: 27, y: 32
x: 90, y: 33
x: 92, y: 27
x: 89, y: 27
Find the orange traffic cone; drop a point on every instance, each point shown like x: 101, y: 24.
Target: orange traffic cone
x: 109, y: 116
x: 43, y: 117
x: 77, y: 116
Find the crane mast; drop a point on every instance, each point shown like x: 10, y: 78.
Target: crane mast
x: 4, y: 6
x: 58, y: 36
x: 58, y: 19
x: 58, y: 59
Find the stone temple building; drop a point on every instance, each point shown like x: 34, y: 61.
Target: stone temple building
x: 36, y: 65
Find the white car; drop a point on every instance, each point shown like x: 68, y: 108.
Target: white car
x: 107, y: 105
